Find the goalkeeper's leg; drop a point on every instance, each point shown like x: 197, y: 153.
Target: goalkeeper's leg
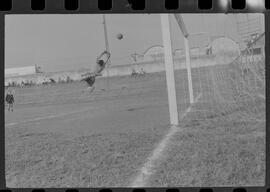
x: 89, y: 89
x: 90, y: 82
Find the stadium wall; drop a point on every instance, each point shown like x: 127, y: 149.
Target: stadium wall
x: 20, y: 71
x: 123, y: 70
x: 120, y: 70
x: 158, y: 66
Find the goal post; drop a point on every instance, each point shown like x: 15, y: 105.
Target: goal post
x: 169, y: 64
x: 169, y: 68
x: 190, y: 85
x: 185, y: 33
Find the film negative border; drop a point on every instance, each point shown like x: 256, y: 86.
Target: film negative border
x: 129, y: 6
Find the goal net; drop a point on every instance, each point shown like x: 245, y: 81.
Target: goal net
x: 228, y: 79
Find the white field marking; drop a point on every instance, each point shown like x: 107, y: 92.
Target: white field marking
x: 147, y: 170
x: 47, y: 117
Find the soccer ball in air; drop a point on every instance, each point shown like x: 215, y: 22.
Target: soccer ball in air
x: 119, y: 36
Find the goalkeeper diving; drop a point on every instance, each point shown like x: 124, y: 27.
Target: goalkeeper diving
x: 101, y: 62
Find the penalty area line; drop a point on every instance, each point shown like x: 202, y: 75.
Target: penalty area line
x: 148, y: 168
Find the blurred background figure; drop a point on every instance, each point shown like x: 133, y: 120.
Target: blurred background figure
x: 10, y: 99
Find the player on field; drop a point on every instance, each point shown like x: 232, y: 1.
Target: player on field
x: 90, y: 78
x: 10, y: 100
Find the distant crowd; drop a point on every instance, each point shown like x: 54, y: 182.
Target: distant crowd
x: 50, y: 81
x: 47, y: 81
x: 137, y: 73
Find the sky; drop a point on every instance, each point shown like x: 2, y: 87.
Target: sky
x: 61, y: 42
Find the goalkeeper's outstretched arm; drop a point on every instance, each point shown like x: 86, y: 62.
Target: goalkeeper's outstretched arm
x: 102, y: 54
x: 102, y: 60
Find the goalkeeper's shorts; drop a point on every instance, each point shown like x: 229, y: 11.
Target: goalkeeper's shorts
x: 90, y: 80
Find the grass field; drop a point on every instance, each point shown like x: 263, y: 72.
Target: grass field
x: 59, y: 137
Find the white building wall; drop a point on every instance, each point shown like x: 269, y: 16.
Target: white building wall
x: 20, y: 71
